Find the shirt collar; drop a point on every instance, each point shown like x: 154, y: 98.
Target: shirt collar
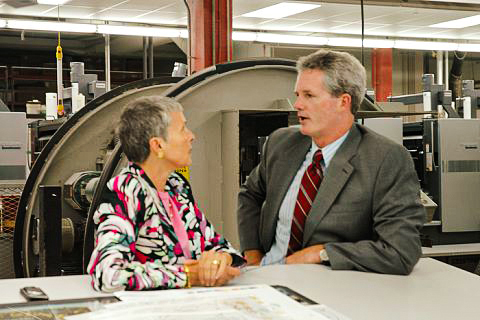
x: 329, y: 150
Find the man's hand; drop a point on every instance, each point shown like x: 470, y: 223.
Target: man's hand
x: 307, y: 255
x: 254, y: 257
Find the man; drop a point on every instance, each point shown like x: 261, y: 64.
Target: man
x: 332, y: 191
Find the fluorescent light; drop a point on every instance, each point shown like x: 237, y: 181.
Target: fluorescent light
x: 458, y: 1
x: 357, y: 42
x: 459, y: 23
x: 244, y: 36
x: 469, y: 47
x: 51, y: 26
x: 52, y: 2
x: 344, y: 42
x: 139, y: 31
x: 378, y: 43
x: 425, y: 45
x: 184, y: 33
x: 281, y: 10
x: 283, y: 38
x: 238, y: 36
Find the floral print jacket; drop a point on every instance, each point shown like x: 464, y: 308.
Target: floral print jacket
x: 136, y: 247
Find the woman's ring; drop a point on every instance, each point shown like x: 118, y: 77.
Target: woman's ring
x: 215, y: 262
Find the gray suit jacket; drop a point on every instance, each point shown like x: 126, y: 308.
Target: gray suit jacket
x: 367, y: 211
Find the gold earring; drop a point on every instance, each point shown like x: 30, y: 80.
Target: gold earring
x: 160, y: 154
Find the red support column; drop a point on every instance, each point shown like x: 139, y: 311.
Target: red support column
x: 211, y: 32
x: 382, y: 73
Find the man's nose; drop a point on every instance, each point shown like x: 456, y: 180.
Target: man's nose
x: 298, y: 105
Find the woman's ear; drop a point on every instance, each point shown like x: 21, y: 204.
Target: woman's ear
x: 156, y: 145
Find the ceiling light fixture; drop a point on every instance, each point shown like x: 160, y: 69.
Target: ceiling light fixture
x: 52, y: 2
x: 459, y: 23
x: 281, y: 10
x: 51, y: 26
x: 238, y: 36
x: 425, y: 45
x: 353, y: 42
x: 282, y: 38
x: 244, y: 36
x: 139, y: 31
x: 458, y: 1
x: 344, y: 42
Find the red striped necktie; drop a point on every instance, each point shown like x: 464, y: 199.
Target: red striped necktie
x: 306, y: 195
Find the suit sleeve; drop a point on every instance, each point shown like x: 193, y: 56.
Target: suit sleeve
x: 250, y: 200
x: 398, y: 216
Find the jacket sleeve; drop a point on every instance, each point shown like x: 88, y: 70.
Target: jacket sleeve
x: 398, y: 216
x: 251, y: 197
x: 113, y: 265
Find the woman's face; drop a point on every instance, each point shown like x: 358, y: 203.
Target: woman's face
x: 178, y: 147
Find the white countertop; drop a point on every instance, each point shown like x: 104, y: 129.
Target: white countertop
x: 434, y: 290
x: 452, y: 250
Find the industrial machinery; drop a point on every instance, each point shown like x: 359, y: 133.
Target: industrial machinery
x: 13, y: 148
x: 469, y: 103
x: 85, y: 88
x: 13, y: 173
x: 68, y: 178
x: 447, y: 157
x: 451, y: 159
x: 433, y: 97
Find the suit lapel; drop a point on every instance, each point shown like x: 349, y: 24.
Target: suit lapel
x: 337, y: 175
x: 288, y: 166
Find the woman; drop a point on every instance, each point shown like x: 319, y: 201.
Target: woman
x: 150, y: 233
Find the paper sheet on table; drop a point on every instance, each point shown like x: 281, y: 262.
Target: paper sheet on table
x: 260, y: 302
x: 328, y: 312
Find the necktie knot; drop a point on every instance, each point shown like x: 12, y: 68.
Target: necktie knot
x: 317, y: 158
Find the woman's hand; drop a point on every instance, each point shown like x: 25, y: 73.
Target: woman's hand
x: 194, y: 279
x: 229, y: 274
x: 213, y: 268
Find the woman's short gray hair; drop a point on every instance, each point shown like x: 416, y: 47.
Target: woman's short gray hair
x: 343, y: 73
x: 141, y: 120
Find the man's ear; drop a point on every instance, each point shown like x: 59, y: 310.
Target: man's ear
x: 346, y: 102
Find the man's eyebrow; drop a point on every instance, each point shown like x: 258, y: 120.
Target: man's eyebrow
x: 304, y: 90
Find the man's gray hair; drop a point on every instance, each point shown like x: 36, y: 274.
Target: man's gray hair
x: 343, y: 73
x: 141, y: 120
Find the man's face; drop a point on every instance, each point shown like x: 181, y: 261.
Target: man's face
x: 319, y: 112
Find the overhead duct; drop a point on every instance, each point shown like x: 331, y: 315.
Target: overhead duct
x: 20, y: 3
x: 455, y: 76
